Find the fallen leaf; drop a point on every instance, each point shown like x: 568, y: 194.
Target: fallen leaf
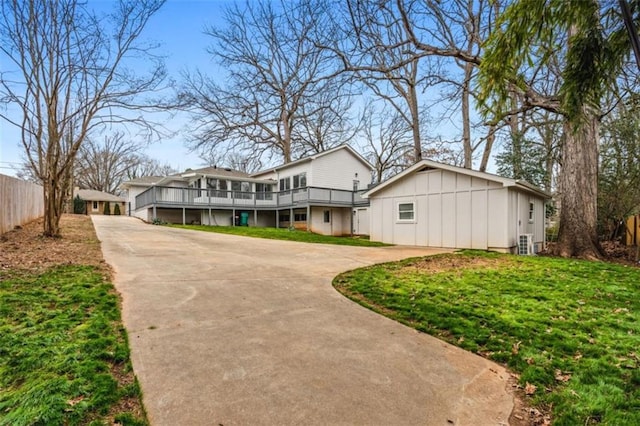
x: 530, y: 389
x: 562, y: 377
x: 515, y: 348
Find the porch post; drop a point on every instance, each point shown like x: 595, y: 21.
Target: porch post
x: 255, y: 217
x: 308, y: 218
x: 209, y: 215
x: 155, y: 188
x: 184, y: 216
x: 233, y: 217
x: 277, y: 219
x: 291, y: 216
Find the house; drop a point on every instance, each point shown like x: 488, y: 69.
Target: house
x: 95, y: 201
x: 438, y: 205
x: 320, y: 193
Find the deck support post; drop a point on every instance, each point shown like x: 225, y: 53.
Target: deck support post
x: 255, y: 217
x: 233, y: 217
x: 184, y: 216
x: 291, y: 221
x: 308, y: 218
x: 277, y: 219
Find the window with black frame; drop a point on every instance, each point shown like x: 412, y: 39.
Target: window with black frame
x: 264, y: 191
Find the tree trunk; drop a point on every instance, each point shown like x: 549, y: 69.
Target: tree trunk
x: 415, y: 123
x: 466, y: 119
x: 491, y: 137
x: 578, y: 185
x: 52, y: 211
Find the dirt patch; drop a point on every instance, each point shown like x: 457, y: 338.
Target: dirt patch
x: 437, y: 264
x: 26, y: 250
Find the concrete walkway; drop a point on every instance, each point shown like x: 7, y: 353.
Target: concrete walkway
x: 228, y: 330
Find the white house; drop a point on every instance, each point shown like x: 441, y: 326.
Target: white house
x: 321, y: 193
x: 438, y: 205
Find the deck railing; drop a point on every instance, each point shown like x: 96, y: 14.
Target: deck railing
x: 193, y: 197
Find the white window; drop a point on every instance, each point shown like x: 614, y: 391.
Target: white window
x: 217, y: 187
x: 406, y: 212
x: 95, y: 206
x: 241, y: 190
x: 263, y: 191
x: 300, y: 181
x: 285, y: 184
x: 327, y: 216
x: 531, y: 212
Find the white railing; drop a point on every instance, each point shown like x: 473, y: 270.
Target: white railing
x: 164, y: 195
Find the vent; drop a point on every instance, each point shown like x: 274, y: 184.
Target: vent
x: 525, y: 245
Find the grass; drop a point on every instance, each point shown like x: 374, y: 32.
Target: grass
x: 284, y: 234
x: 63, y: 350
x: 569, y: 328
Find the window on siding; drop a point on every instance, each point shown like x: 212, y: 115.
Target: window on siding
x: 300, y: 181
x: 263, y: 191
x: 241, y: 190
x: 95, y: 206
x: 531, y: 212
x: 285, y: 184
x: 405, y: 211
x: 300, y: 217
x: 327, y: 216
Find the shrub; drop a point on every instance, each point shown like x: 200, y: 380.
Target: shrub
x: 116, y: 210
x: 107, y: 208
x: 79, y: 206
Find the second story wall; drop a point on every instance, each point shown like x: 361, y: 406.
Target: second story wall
x: 339, y: 170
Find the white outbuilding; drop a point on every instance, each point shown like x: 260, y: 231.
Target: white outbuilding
x: 438, y: 205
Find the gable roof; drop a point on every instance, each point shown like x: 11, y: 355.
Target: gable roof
x: 425, y: 165
x: 93, y: 195
x: 214, y: 171
x: 313, y: 157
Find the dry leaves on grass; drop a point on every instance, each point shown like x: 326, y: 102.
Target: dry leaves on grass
x: 25, y: 249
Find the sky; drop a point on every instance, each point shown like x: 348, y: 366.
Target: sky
x: 178, y: 27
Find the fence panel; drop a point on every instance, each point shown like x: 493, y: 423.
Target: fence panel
x: 20, y: 202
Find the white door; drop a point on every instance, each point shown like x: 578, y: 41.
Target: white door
x: 361, y: 222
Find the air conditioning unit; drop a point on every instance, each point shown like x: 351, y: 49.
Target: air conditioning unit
x: 525, y: 245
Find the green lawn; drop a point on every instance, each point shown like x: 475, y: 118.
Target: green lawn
x: 62, y: 350
x: 570, y: 328
x: 284, y: 234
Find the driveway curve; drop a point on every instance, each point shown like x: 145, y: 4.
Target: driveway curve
x: 228, y: 330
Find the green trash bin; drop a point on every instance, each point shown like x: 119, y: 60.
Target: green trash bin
x: 244, y: 218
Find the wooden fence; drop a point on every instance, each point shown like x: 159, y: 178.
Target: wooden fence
x: 633, y: 230
x: 20, y: 202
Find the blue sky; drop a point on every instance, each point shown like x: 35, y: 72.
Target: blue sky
x: 178, y: 26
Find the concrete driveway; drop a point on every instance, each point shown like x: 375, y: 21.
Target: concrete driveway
x: 228, y: 330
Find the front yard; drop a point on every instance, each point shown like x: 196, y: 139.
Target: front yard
x: 64, y: 351
x: 570, y: 329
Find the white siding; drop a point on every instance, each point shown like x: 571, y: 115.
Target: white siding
x: 338, y: 170
x: 453, y: 210
x: 339, y: 223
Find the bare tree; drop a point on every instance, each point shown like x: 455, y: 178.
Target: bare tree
x: 71, y: 79
x: 276, y: 78
x: 146, y: 166
x: 104, y: 165
x: 389, y: 142
x: 374, y: 49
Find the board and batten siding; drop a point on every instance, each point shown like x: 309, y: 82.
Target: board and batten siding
x: 519, y: 223
x: 450, y: 210
x: 338, y: 170
x: 20, y: 202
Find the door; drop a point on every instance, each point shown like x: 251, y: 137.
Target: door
x: 361, y: 221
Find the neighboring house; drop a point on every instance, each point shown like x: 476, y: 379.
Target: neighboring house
x: 437, y: 205
x: 95, y: 201
x: 320, y: 193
